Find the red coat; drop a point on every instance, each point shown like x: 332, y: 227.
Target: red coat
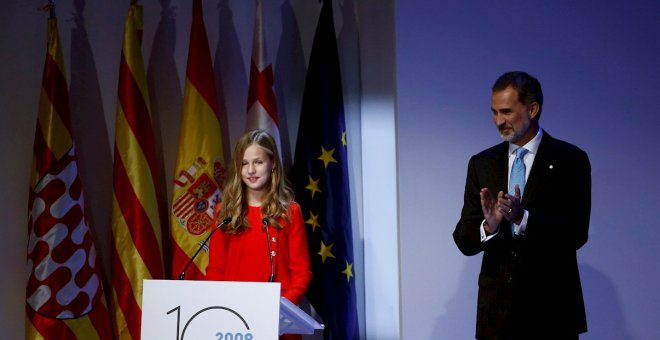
x: 244, y: 256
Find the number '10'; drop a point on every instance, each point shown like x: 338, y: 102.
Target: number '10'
x: 220, y: 335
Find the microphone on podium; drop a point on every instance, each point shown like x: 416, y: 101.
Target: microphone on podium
x: 183, y: 272
x: 271, y: 278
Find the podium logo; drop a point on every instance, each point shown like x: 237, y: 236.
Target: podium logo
x: 237, y: 327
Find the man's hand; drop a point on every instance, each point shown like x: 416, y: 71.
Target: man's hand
x: 491, y: 210
x: 510, y: 207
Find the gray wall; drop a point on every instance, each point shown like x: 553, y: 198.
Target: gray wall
x: 598, y: 64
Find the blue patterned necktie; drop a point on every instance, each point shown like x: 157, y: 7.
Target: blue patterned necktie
x: 518, y: 172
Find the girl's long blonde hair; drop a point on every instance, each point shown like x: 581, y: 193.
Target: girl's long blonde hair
x: 278, y: 196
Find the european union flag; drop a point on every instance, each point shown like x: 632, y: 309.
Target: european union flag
x: 320, y: 176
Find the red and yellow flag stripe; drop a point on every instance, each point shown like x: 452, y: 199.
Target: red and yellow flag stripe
x: 136, y: 207
x: 52, y: 139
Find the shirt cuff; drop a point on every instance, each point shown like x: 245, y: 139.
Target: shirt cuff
x: 482, y: 232
x: 519, y: 229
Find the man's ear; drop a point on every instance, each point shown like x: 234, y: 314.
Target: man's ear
x: 534, y: 108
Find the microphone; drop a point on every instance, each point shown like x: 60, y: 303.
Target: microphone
x: 183, y: 272
x: 271, y: 278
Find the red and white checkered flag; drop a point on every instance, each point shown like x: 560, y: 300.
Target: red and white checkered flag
x: 63, y: 282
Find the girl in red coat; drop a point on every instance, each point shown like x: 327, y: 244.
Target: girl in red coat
x: 256, y: 197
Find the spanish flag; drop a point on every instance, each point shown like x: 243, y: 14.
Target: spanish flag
x: 199, y: 171
x: 137, y: 227
x: 64, y: 291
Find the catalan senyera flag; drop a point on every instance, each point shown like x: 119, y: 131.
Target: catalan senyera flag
x: 320, y: 177
x: 64, y: 293
x: 137, y: 228
x: 199, y: 171
x: 262, y: 105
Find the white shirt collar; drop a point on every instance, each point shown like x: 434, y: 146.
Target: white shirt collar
x: 532, y: 146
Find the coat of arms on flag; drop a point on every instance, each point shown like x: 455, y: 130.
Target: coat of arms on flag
x: 193, y: 209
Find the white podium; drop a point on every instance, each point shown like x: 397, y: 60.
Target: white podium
x: 217, y: 310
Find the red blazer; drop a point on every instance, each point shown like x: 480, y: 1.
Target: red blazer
x: 244, y: 256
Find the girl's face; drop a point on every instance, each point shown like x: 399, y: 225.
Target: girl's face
x: 256, y: 170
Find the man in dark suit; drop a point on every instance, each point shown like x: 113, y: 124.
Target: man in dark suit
x: 529, y: 284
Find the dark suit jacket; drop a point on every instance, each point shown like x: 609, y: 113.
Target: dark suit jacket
x: 529, y: 285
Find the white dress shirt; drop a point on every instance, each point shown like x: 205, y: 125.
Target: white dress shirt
x: 532, y: 146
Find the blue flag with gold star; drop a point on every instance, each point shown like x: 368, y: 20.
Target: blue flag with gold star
x: 320, y: 177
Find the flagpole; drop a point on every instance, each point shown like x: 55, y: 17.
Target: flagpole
x: 50, y: 7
